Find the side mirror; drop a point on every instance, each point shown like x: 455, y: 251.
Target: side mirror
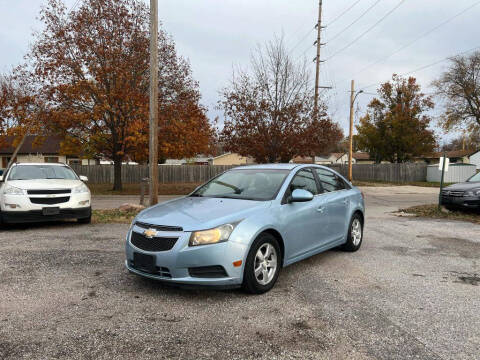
x: 301, y: 195
x: 83, y: 178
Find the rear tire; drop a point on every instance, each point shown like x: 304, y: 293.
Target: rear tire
x: 355, y: 234
x: 263, y: 265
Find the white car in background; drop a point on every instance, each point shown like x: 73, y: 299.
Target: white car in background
x: 36, y: 192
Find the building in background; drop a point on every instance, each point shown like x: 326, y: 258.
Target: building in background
x: 45, y: 151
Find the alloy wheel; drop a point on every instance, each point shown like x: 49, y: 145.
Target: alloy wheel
x: 265, y: 264
x: 356, y: 232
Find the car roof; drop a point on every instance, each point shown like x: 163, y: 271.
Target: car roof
x: 269, y: 166
x: 47, y: 164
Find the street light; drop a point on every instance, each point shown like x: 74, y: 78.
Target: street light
x: 353, y: 97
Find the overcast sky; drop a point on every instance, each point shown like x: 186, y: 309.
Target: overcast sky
x: 218, y: 34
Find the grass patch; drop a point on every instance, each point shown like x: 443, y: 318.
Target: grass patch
x: 134, y: 189
x: 113, y: 216
x: 386, y: 183
x: 431, y: 211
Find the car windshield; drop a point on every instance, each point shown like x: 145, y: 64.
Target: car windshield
x: 33, y: 172
x: 246, y: 184
x: 475, y: 178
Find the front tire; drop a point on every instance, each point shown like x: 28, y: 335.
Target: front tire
x: 355, y: 234
x: 263, y: 264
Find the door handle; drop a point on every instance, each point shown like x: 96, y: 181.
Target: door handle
x: 321, y: 209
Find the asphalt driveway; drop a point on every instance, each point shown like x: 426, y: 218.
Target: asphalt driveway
x: 412, y: 291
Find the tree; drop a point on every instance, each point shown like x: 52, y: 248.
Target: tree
x: 469, y: 141
x: 269, y: 111
x: 396, y: 126
x: 93, y: 64
x: 459, y: 86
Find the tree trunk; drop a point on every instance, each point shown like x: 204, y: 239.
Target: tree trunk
x: 117, y: 174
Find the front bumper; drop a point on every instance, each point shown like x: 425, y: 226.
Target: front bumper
x: 176, y: 262
x: 15, y: 217
x: 461, y: 201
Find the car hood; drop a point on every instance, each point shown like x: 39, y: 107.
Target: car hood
x: 42, y: 184
x: 464, y: 186
x: 199, y: 213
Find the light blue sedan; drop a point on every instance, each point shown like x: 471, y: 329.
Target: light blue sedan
x: 243, y: 226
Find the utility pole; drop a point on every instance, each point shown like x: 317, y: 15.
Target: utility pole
x: 153, y: 108
x: 317, y: 59
x: 350, y: 138
x: 353, y: 96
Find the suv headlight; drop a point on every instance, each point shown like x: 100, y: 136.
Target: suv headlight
x: 80, y: 189
x: 211, y: 236
x: 12, y: 190
x: 473, y: 192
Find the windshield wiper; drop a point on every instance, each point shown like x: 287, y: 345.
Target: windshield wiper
x: 235, y: 197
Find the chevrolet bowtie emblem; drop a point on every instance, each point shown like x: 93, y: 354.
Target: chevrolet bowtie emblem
x: 150, y: 233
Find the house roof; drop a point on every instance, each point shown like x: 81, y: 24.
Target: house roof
x: 451, y: 154
x: 48, y: 145
x: 361, y: 156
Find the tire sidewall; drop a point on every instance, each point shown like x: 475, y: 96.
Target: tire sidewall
x: 349, y: 246
x: 250, y: 282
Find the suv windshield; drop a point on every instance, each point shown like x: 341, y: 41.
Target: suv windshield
x: 258, y: 184
x: 31, y: 172
x: 475, y: 178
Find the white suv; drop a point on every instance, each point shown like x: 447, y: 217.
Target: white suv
x: 43, y: 192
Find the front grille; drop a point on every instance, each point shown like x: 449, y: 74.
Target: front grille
x: 152, y: 244
x: 215, y: 271
x: 158, y: 227
x: 48, y: 192
x: 454, y: 193
x: 160, y: 271
x: 50, y: 201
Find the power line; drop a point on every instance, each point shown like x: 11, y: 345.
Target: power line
x: 354, y: 21
x: 74, y: 6
x: 302, y: 40
x: 368, y: 30
x: 428, y: 66
x: 343, y: 12
x: 428, y: 32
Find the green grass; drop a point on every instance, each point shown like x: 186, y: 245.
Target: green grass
x: 134, y: 189
x: 431, y: 211
x: 386, y: 183
x: 113, y: 216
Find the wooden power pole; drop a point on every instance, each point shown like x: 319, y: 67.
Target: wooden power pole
x: 153, y: 116
x: 350, y: 137
x: 317, y: 58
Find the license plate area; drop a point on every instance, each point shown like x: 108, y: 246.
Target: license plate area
x: 48, y: 211
x: 144, y: 262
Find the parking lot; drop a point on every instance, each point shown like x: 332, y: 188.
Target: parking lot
x: 412, y: 291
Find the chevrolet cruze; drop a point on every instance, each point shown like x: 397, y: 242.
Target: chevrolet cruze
x: 37, y: 192
x: 243, y: 226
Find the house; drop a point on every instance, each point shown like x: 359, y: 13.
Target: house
x: 455, y: 156
x: 231, y: 159
x: 335, y: 158
x: 475, y: 159
x: 46, y: 150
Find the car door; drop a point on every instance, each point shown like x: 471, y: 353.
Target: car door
x: 303, y: 222
x: 336, y: 202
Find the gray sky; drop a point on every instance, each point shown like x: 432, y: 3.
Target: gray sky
x: 215, y: 35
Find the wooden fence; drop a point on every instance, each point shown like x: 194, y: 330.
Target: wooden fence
x: 132, y: 174
x: 396, y: 173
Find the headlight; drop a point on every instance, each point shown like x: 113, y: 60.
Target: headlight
x: 212, y: 236
x: 12, y: 190
x: 473, y: 192
x: 80, y: 189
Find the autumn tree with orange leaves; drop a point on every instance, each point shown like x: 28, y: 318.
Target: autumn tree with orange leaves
x: 93, y: 64
x: 269, y: 111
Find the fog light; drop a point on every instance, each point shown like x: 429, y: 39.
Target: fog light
x: 84, y: 202
x: 12, y: 206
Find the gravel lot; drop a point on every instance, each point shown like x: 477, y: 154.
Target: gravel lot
x: 412, y: 291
